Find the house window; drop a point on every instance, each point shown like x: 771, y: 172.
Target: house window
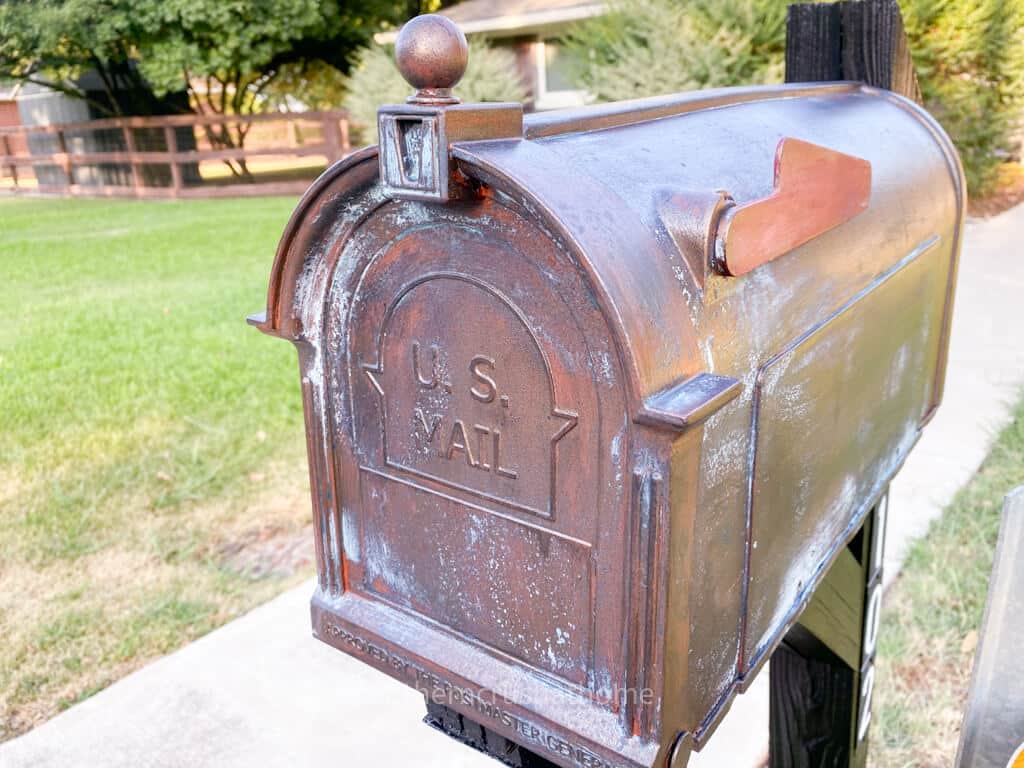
x: 555, y: 86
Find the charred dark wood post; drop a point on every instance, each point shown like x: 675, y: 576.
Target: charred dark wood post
x: 814, y: 50
x: 860, y: 40
x: 822, y: 676
x: 481, y: 738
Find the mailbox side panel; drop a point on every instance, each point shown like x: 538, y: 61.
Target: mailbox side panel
x: 839, y: 343
x: 835, y: 414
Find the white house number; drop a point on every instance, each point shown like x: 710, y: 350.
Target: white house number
x: 872, y: 614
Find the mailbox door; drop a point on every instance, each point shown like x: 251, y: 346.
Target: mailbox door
x: 476, y: 401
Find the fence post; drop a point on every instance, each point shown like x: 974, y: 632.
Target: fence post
x: 172, y: 154
x: 129, y: 142
x: 333, y: 141
x: 8, y: 152
x: 182, y: 156
x: 346, y: 141
x: 65, y: 160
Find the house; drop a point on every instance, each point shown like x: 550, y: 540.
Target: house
x: 531, y: 29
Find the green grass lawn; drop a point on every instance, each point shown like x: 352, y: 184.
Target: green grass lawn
x: 932, y: 615
x: 146, y: 435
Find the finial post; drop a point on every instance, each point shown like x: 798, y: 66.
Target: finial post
x: 417, y: 138
x: 432, y: 53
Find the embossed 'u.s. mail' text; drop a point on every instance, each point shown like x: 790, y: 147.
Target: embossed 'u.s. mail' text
x: 468, y: 401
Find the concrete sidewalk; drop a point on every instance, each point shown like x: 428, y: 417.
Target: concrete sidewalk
x: 260, y: 692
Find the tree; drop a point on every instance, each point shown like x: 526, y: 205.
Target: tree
x: 52, y: 43
x: 225, y: 52
x: 375, y: 80
x: 318, y: 85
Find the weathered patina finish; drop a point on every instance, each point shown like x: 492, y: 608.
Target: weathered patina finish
x: 582, y: 439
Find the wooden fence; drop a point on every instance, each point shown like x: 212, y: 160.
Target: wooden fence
x: 172, y: 156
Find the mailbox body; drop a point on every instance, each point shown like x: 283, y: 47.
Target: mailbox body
x: 568, y: 478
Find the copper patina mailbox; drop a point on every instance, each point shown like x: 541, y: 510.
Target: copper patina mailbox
x: 594, y: 398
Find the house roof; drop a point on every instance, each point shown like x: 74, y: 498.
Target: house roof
x: 507, y: 18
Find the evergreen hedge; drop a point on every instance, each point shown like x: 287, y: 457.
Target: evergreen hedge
x: 969, y: 56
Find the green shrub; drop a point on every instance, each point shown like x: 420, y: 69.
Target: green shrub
x: 309, y: 85
x: 969, y: 56
x: 375, y: 80
x: 651, y: 47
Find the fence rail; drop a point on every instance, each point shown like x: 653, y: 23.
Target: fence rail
x: 170, y: 156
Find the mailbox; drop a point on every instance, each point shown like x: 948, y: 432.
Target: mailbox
x: 593, y: 398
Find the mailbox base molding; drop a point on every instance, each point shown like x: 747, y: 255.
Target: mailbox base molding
x: 498, y: 694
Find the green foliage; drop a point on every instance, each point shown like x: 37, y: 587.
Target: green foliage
x: 225, y: 53
x: 307, y: 84
x: 969, y: 56
x: 650, y: 47
x: 255, y: 37
x: 232, y: 50
x: 52, y: 42
x: 375, y: 80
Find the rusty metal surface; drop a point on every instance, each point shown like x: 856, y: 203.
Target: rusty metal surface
x: 567, y: 477
x: 431, y: 53
x: 415, y: 163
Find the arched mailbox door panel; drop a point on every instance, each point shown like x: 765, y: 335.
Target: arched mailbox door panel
x: 478, y: 387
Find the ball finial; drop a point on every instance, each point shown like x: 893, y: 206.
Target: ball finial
x: 432, y: 54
